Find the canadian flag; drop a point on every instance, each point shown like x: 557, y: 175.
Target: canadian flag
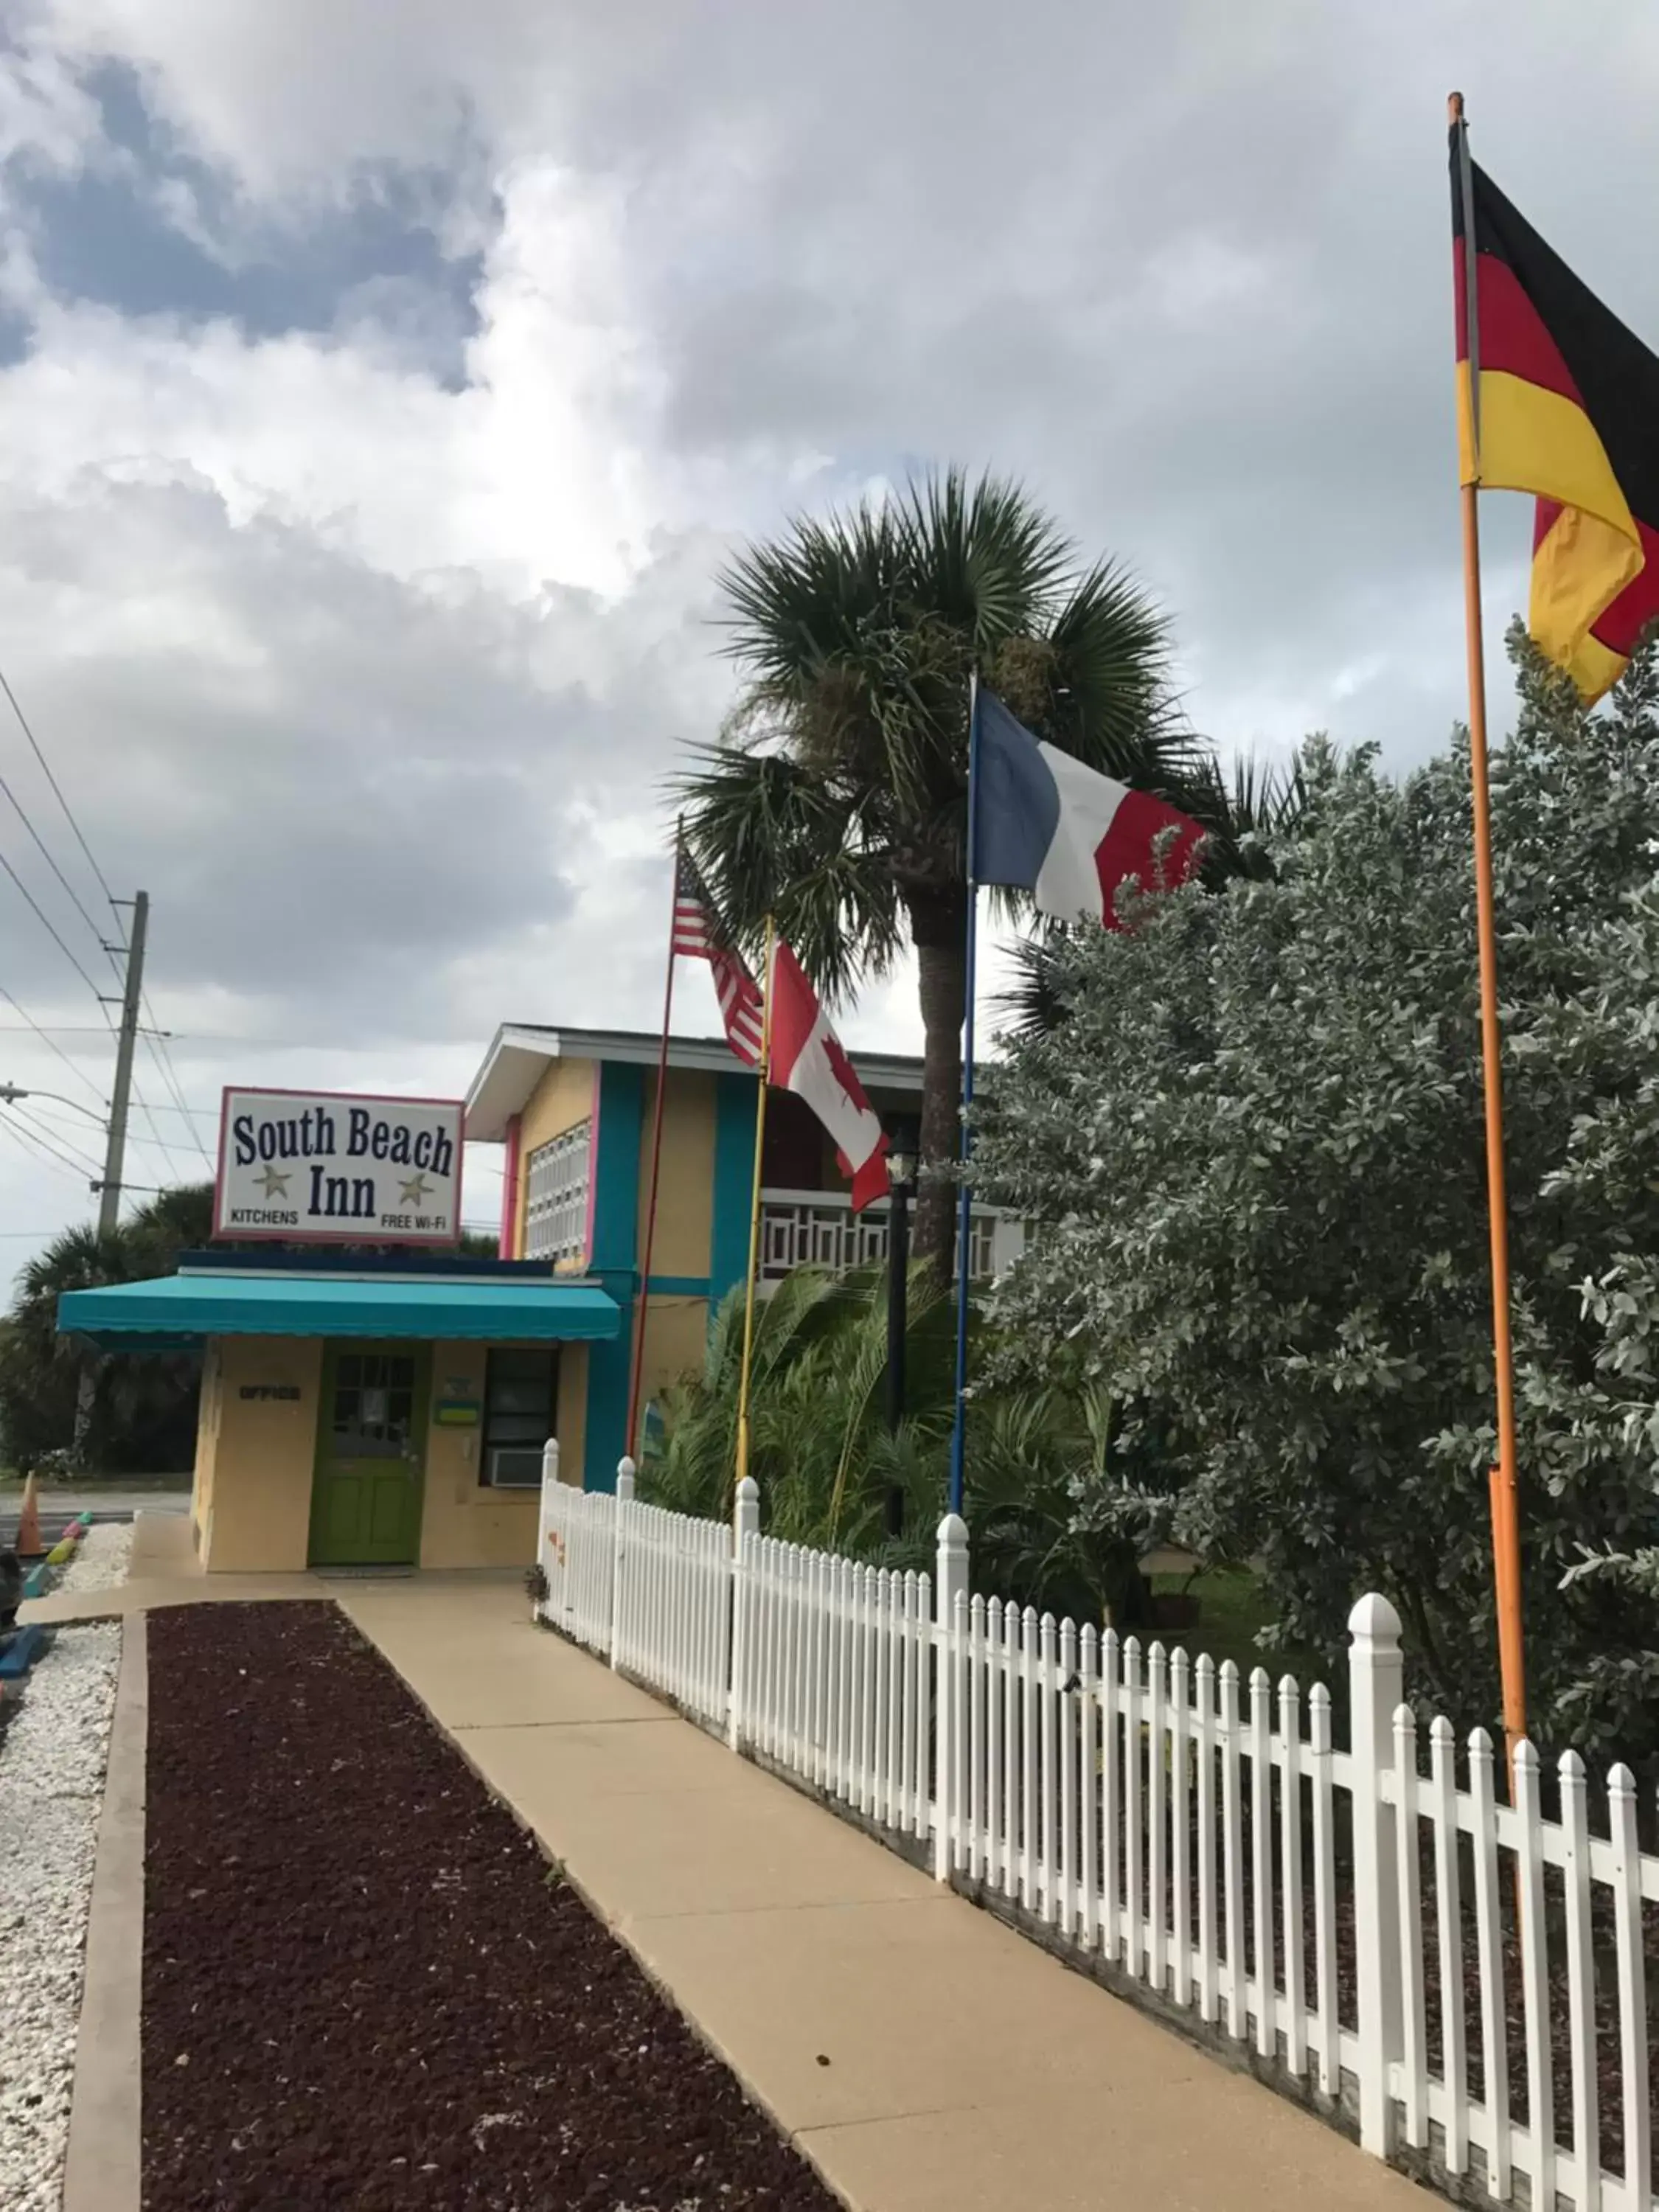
x: 808, y: 1058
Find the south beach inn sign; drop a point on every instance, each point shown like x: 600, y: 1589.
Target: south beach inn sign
x: 320, y: 1167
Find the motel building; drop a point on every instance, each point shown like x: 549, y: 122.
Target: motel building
x: 390, y: 1408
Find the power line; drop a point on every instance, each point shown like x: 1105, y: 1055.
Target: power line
x: 50, y: 927
x: 195, y: 1112
x: 45, y: 1037
x: 22, y: 813
x: 39, y: 1144
x: 159, y: 1140
x: 54, y: 1134
x: 69, y: 812
x: 157, y: 1046
x: 213, y: 1036
x: 163, y: 1059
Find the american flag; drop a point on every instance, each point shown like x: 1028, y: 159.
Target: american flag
x: 699, y: 936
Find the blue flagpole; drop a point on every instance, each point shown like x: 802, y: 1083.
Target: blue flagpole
x: 964, y: 1217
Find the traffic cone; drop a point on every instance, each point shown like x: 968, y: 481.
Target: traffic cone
x: 29, y: 1545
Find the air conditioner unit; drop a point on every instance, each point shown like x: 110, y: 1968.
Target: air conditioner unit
x: 515, y: 1467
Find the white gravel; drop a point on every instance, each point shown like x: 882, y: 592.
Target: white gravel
x: 52, y: 1780
x: 101, y: 1562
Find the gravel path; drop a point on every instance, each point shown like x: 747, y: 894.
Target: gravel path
x: 363, y: 1987
x: 101, y: 1562
x: 51, y: 1779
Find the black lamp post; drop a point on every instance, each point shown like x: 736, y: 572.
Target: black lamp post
x: 900, y: 1168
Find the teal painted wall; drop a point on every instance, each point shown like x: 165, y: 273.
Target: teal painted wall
x: 613, y: 1264
x: 734, y: 1182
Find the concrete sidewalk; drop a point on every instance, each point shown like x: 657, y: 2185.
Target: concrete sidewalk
x: 923, y: 2056
x: 163, y: 1570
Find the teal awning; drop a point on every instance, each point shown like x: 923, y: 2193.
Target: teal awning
x: 175, y: 1311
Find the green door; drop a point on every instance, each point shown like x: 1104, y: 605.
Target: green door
x: 371, y: 1455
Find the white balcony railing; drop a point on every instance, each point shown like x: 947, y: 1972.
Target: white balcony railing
x: 819, y: 1229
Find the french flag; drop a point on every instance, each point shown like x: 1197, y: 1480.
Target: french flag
x: 1045, y: 823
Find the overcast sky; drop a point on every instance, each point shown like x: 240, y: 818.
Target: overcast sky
x: 380, y: 390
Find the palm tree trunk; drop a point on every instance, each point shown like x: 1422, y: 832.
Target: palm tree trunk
x: 938, y: 925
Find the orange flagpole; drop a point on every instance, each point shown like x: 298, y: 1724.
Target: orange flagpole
x: 1506, y: 1517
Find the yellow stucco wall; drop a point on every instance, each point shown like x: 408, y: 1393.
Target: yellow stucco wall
x: 463, y: 1522
x: 255, y: 1476
x: 563, y: 1097
x: 207, y: 1432
x: 685, y: 1189
x: 255, y: 1460
x: 676, y: 1334
x: 572, y: 1414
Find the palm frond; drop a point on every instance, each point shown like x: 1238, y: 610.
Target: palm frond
x: 1034, y: 1002
x: 771, y: 839
x: 1108, y: 697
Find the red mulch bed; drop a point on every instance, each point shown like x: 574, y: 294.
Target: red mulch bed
x: 363, y: 1987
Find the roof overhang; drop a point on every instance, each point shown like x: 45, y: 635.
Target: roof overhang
x: 174, y: 1312
x: 520, y: 1054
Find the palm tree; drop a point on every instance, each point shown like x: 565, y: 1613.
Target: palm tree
x: 144, y: 1405
x: 826, y: 1458
x: 142, y: 1410
x: 837, y: 802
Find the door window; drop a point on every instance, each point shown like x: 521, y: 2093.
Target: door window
x: 374, y: 1411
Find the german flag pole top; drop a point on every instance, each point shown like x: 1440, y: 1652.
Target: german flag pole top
x: 1557, y: 398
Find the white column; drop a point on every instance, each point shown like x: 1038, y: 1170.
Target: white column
x: 545, y: 1515
x: 1007, y: 1244
x: 949, y: 1584
x: 1377, y: 1687
x: 625, y: 1472
x: 745, y: 1523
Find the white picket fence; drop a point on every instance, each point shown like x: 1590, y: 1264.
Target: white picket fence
x: 1401, y: 1943
x: 834, y: 1680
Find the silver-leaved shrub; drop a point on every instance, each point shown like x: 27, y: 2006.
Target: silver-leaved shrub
x: 1252, y: 1151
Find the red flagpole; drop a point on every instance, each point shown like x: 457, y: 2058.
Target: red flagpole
x: 656, y: 1164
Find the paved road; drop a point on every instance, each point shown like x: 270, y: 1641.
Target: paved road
x: 59, y: 1507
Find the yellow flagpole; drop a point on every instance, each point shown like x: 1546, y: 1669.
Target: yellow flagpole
x: 755, y: 1202
x: 1506, y: 1516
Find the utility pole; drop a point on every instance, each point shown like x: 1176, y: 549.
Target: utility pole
x: 109, y: 1197
x: 109, y: 1191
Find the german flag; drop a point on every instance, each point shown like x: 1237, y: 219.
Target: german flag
x: 1565, y: 405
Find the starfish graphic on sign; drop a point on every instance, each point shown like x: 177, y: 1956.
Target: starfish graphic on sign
x: 274, y: 1183
x: 414, y: 1191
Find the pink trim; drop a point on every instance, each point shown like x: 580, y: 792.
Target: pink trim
x: 592, y: 1164
x: 507, y: 1248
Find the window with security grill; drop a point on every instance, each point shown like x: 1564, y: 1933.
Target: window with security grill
x: 557, y: 1178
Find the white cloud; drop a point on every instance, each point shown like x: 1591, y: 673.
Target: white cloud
x: 373, y: 681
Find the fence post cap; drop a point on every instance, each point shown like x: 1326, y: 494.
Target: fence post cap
x: 749, y: 1490
x: 626, y: 1465
x: 953, y: 1533
x: 1374, y: 1621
